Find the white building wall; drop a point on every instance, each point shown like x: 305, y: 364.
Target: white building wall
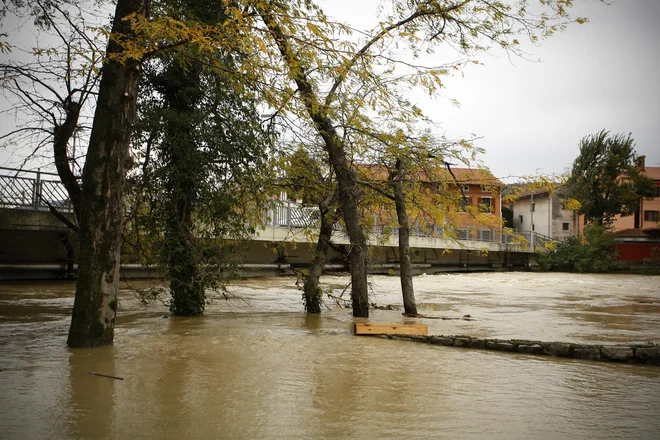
x: 541, y: 217
x: 561, y: 219
x: 548, y: 218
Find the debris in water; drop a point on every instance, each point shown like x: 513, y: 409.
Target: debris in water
x: 105, y: 375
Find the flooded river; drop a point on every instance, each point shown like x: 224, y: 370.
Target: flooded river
x: 256, y: 367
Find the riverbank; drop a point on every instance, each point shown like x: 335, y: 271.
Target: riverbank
x: 647, y: 354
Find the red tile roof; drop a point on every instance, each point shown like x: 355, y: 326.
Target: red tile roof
x: 467, y: 176
x: 631, y: 233
x: 652, y: 172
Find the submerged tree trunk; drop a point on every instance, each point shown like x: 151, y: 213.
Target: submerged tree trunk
x: 405, y: 261
x: 182, y: 91
x: 311, y: 288
x: 346, y: 178
x: 186, y: 288
x: 348, y: 199
x: 101, y: 201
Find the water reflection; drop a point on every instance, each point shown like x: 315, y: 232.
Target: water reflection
x: 90, y: 403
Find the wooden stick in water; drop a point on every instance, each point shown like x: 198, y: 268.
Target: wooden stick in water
x: 105, y: 375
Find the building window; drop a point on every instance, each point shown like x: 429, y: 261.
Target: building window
x: 565, y: 226
x: 462, y: 234
x: 465, y: 201
x: 465, y: 188
x: 520, y: 219
x: 485, y: 204
x: 656, y: 194
x: 651, y: 216
x: 485, y: 235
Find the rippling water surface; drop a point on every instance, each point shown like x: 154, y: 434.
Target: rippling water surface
x: 257, y: 367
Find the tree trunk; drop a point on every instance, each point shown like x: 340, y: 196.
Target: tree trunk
x: 358, y: 252
x: 182, y: 92
x: 405, y: 261
x: 101, y: 204
x: 346, y: 179
x: 70, y: 255
x: 188, y: 297
x: 311, y: 287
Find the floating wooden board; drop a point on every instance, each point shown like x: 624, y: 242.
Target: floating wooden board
x: 391, y: 329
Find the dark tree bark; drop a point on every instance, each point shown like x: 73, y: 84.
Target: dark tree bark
x: 311, y: 287
x: 61, y: 136
x: 101, y: 201
x: 405, y: 261
x: 348, y: 199
x: 346, y: 178
x: 188, y: 297
x: 70, y: 256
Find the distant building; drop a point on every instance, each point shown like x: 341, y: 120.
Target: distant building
x: 638, y: 236
x: 647, y: 215
x: 476, y: 192
x: 481, y: 189
x: 636, y: 246
x: 542, y: 211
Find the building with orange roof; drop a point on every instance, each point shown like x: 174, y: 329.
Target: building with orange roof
x: 474, y: 201
x: 637, y: 236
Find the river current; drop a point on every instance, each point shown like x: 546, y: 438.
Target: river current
x: 256, y: 367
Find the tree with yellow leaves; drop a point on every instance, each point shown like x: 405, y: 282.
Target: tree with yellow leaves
x: 342, y: 85
x: 303, y: 66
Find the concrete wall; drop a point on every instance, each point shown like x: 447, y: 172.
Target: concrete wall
x: 34, y: 245
x: 648, y: 354
x: 560, y: 217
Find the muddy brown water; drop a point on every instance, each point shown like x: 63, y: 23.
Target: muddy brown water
x: 256, y: 367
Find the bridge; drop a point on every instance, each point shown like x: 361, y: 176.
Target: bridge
x: 35, y: 244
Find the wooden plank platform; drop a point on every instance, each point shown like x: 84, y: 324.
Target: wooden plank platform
x: 391, y: 329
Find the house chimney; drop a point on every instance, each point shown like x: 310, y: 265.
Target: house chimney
x: 641, y: 163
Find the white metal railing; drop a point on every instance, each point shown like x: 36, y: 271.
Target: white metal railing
x: 31, y: 190
x: 293, y: 215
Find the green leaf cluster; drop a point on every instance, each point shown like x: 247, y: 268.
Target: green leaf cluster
x: 605, y: 178
x: 588, y: 253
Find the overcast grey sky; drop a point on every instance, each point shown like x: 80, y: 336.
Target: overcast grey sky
x: 601, y: 75
x: 531, y: 115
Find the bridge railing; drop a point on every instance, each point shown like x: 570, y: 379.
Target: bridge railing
x: 292, y: 215
x: 31, y: 190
